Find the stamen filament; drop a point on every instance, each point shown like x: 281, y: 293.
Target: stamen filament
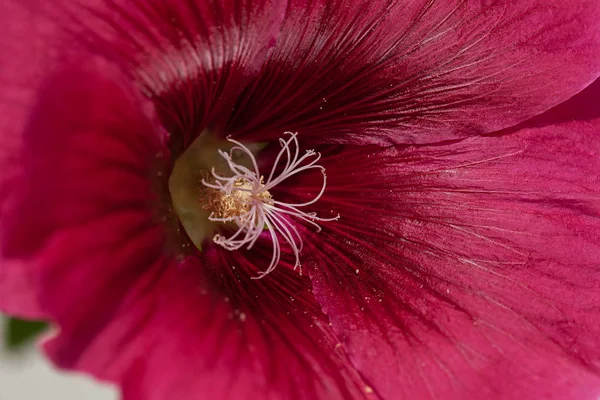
x: 257, y: 208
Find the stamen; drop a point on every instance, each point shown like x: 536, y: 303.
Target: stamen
x: 244, y: 199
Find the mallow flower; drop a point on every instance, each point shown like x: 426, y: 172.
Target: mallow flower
x: 306, y: 199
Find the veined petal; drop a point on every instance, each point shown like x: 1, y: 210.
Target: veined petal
x: 90, y: 148
x: 583, y: 107
x: 208, y: 331
x: 467, y: 269
x: 132, y: 309
x: 191, y: 57
x: 89, y: 151
x: 200, y: 328
x: 175, y: 49
x: 419, y: 71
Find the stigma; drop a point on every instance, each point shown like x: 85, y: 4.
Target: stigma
x: 242, y: 197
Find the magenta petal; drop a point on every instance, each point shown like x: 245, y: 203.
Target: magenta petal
x: 419, y: 71
x: 18, y: 294
x: 469, y: 269
x: 26, y: 55
x: 201, y: 329
x: 192, y: 57
x: 26, y: 42
x: 89, y: 152
x: 127, y: 309
x: 583, y: 107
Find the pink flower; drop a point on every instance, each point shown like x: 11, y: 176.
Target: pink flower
x: 465, y: 260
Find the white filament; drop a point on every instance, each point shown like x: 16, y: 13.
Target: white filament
x: 264, y: 212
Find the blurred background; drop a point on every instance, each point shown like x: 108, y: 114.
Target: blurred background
x: 26, y: 375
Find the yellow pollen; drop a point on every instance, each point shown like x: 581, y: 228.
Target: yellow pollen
x: 237, y: 203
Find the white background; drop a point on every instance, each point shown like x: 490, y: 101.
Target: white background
x: 26, y: 375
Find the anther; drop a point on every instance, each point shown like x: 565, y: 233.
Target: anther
x: 244, y: 199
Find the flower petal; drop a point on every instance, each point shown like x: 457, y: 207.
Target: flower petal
x: 583, y: 107
x: 128, y: 311
x: 198, y: 329
x: 26, y: 40
x: 90, y: 148
x: 192, y: 57
x: 419, y: 71
x: 18, y: 295
x: 87, y: 152
x: 468, y: 269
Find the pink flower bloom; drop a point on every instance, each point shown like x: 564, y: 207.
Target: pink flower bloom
x: 465, y: 260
